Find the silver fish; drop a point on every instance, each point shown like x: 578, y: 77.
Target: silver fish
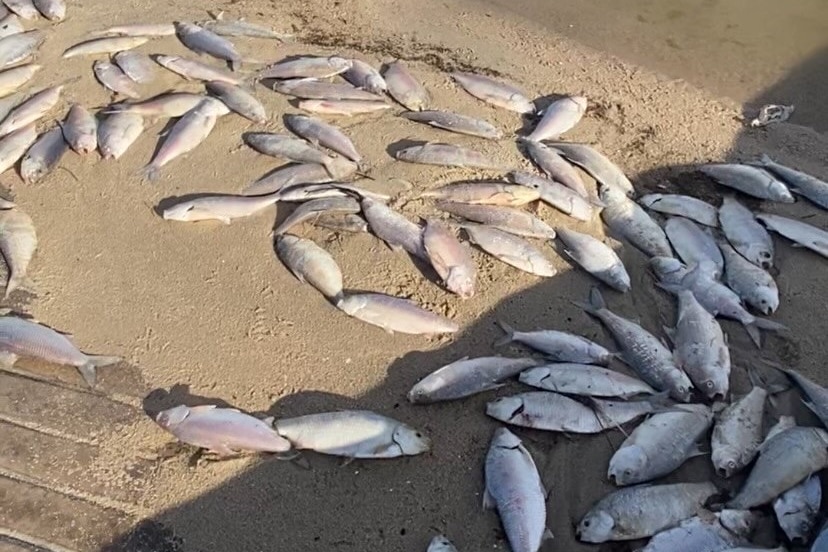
x: 449, y: 155
x: 23, y: 8
x: 709, y: 532
x: 555, y: 166
x: 53, y: 10
x: 31, y: 110
x: 320, y: 133
x: 441, y: 544
x: 558, y: 346
x: 808, y: 186
x: 342, y: 223
x: 18, y: 47
x: 737, y: 433
x: 394, y: 314
x: 226, y: 27
x: 43, y: 155
x: 821, y: 542
x: 485, y: 193
x: 139, y: 29
x: 596, y: 164
x: 557, y: 195
x: 342, y: 107
x: 353, y: 434
x: 296, y: 150
x: 204, y: 41
x: 404, y: 88
x: 15, y: 144
x: 22, y: 338
x: 797, y: 509
x: 173, y: 105
x: 10, y: 25
x: 290, y: 175
x: 747, y: 236
x: 18, y: 243
x: 393, y: 228
x: 749, y: 180
x: 12, y: 79
x: 465, y: 377
x: 451, y: 259
x: 515, y: 489
x: 306, y: 67
x: 223, y: 431
x: 305, y: 192
x: 683, y: 206
x: 362, y: 75
x: 223, y: 208
x: 312, y: 209
x: 511, y: 249
x: 315, y: 89
x: 106, y: 45
x: 310, y: 263
x: 628, y: 220
x: 455, y: 122
x: 495, y: 92
x: 798, y: 232
x: 80, y: 130
x: 111, y: 76
x: 239, y: 100
x: 642, y: 351
x: 693, y: 244
x: 559, y: 117
x: 137, y: 66
x: 194, y: 69
x: 752, y: 283
x: 783, y: 423
x: 586, y: 380
x: 817, y: 395
x: 508, y: 219
x: 117, y: 132
x: 595, y: 257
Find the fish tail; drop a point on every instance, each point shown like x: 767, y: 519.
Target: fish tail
x: 596, y: 302
x: 150, y: 172
x: 754, y: 334
x: 769, y: 325
x: 509, y: 334
x: 765, y: 159
x: 12, y: 284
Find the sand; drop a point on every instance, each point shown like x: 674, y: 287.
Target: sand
x: 205, y: 313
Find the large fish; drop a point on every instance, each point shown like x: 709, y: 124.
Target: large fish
x: 557, y: 346
x: 749, y: 180
x: 495, y: 92
x: 18, y: 243
x: 629, y: 221
x: 310, y: 263
x: 595, y: 257
x: 737, y: 433
x: 450, y: 258
x: 394, y: 314
x: 466, y: 377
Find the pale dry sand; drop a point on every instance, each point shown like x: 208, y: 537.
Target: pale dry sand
x: 205, y: 312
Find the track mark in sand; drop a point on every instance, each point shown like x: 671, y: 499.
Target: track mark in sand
x: 33, y: 426
x: 133, y: 402
x: 13, y: 541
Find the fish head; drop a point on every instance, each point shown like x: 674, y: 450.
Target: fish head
x: 739, y: 522
x: 717, y: 385
x: 172, y: 417
x: 767, y: 299
x: 680, y: 386
x: 422, y: 391
x: 795, y: 522
x: 619, y: 277
x: 182, y: 212
x: 505, y: 408
x: 441, y: 544
x: 503, y: 438
x: 461, y: 281
x: 596, y: 527
x: 410, y: 440
x: 611, y: 195
x: 340, y: 63
x: 781, y: 193
x: 725, y: 461
x: 627, y: 465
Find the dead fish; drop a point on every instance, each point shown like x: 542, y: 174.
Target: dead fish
x: 683, y: 206
x: 485, y: 193
x: 693, y: 245
x: 797, y: 509
x: 306, y: 67
x: 15, y: 144
x: 353, y: 434
x: 137, y: 66
x: 363, y: 75
x: 117, y: 132
x: 53, y: 10
x: 187, y: 133
x: 450, y: 259
x: 111, y: 76
x: 18, y: 47
x: 584, y: 379
x: 312, y: 209
x: 507, y: 219
x: 106, y: 45
x: 404, y: 88
x: 310, y: 263
x: 641, y: 350
x: 139, y: 29
x: 226, y: 27
x: 495, y: 92
x: 737, y: 433
x: 441, y: 544
x: 10, y: 25
x: 448, y: 155
x: 239, y: 100
x: 555, y: 166
x: 193, y: 69
x: 223, y: 208
x: 12, y: 79
x: 628, y: 220
x: 752, y: 283
x: 296, y: 150
x: 287, y: 176
x: 23, y: 8
x: 642, y: 511
x: 557, y: 346
x: 817, y: 395
x: 749, y: 180
x: 511, y: 249
x: 455, y: 122
x: 558, y: 196
x: 22, y: 338
x: 6, y: 204
x: 784, y: 460
x: 172, y: 105
x: 43, y: 156
x: 595, y: 257
x: 341, y: 223
x: 745, y: 234
x: 342, y: 107
x: 798, y: 232
x: 223, y: 431
x: 466, y: 377
x: 514, y: 488
x: 559, y: 117
x: 80, y: 130
x: 596, y: 164
x: 320, y: 133
x: 808, y: 186
x: 393, y: 228
x: 783, y: 423
x: 204, y: 41
x: 394, y: 314
x: 709, y: 532
x: 315, y: 89
x: 660, y: 444
x: 18, y: 243
x: 305, y: 192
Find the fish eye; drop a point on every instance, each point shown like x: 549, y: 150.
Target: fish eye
x: 709, y: 384
x: 628, y: 472
x: 731, y: 464
x: 418, y: 435
x: 586, y: 523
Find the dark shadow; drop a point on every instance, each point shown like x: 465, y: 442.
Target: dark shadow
x: 162, y: 399
x: 400, y: 145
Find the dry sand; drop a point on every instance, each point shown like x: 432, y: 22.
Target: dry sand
x: 205, y: 313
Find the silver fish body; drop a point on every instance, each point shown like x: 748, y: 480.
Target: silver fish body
x: 394, y: 314
x: 752, y: 283
x: 117, y: 132
x: 239, y: 100
x: 450, y: 258
x: 628, y: 220
x: 558, y: 346
x: 547, y: 411
x: 106, y: 45
x: 806, y: 235
x: 204, y: 41
x: 307, y: 67
x: 441, y: 544
x: 31, y: 110
x: 111, y: 76
x: 557, y: 195
x: 737, y: 433
x: 808, y: 186
x: 682, y: 206
x: 53, y: 10
x: 454, y: 122
x: 320, y: 133
x: 404, y: 88
x: 12, y: 79
x: 507, y: 219
x: 342, y: 223
x: 393, y: 228
x: 447, y: 155
x: 43, y: 155
x: 555, y: 166
x: 342, y: 107
x: 174, y: 104
x: 310, y: 263
x: 797, y: 509
x: 511, y: 249
x: 595, y: 257
x: 559, y: 117
x: 20, y: 46
x: 693, y: 244
x: 290, y: 175
x: 223, y: 208
x: 362, y: 75
x: 312, y: 209
x: 18, y: 243
x: 194, y: 69
x: 80, y: 130
x: 296, y: 150
x: 495, y: 92
x: 137, y: 66
x: 747, y: 236
x: 709, y: 532
x: 817, y: 395
x: 315, y: 89
x: 466, y: 377
x: 749, y: 180
x: 596, y: 164
x: 585, y: 380
x: 10, y: 25
x: 15, y: 144
x: 485, y: 193
x: 23, y: 8
x: 225, y: 27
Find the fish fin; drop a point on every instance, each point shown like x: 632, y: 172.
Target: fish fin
x: 547, y: 534
x: 223, y: 451
x: 7, y: 359
x: 769, y: 325
x: 269, y: 420
x: 150, y: 172
x: 508, y: 338
x: 697, y: 451
x: 765, y: 159
x: 89, y: 370
x: 488, y: 502
x: 596, y: 302
x: 669, y: 332
x: 754, y: 334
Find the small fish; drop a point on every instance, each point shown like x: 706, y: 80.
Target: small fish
x: 797, y: 509
x: 596, y: 164
x: 737, y: 433
x: 720, y: 532
x: 306, y: 67
x: 226, y: 27
x: 560, y: 197
x: 43, y: 155
x: 393, y: 228
x: 455, y: 122
x: 558, y: 346
x: 193, y: 69
x: 136, y: 65
x: 441, y: 544
x: 111, y: 76
x: 749, y: 180
x: 12, y: 79
x: 817, y: 395
x: 223, y: 431
x: 693, y: 245
x: 80, y: 130
x: 312, y: 209
x: 305, y: 192
x: 239, y: 100
x: 320, y: 133
x: 467, y: 377
x: 507, y: 219
x: 342, y: 107
x: 106, y: 45
x: 808, y: 186
x: 19, y: 47
x: 449, y: 155
x: 117, y: 132
x: 23, y: 8
x: 485, y: 193
x: 660, y: 444
x: 53, y: 10
x: 451, y: 259
x: 559, y: 117
x: 753, y: 284
x: 495, y: 92
x: 170, y: 105
x: 342, y: 223
x: 139, y: 29
x: 315, y: 89
x: 289, y: 175
x: 595, y: 257
x: 642, y: 351
x: 555, y: 166
x: 798, y: 232
x: 203, y: 41
x: 394, y: 314
x: 18, y: 243
x: 683, y: 206
x: 310, y: 263
x: 404, y: 88
x: 22, y: 338
x: 511, y: 249
x: 585, y: 380
x: 223, y: 208
x: 296, y: 150
x: 10, y: 25
x: 747, y: 236
x: 362, y: 75
x: 353, y: 434
x: 15, y: 144
x: 642, y: 511
x: 628, y: 220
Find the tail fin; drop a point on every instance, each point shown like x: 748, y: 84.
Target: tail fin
x: 89, y: 370
x: 596, y: 301
x: 508, y: 338
x: 764, y: 324
x: 765, y: 159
